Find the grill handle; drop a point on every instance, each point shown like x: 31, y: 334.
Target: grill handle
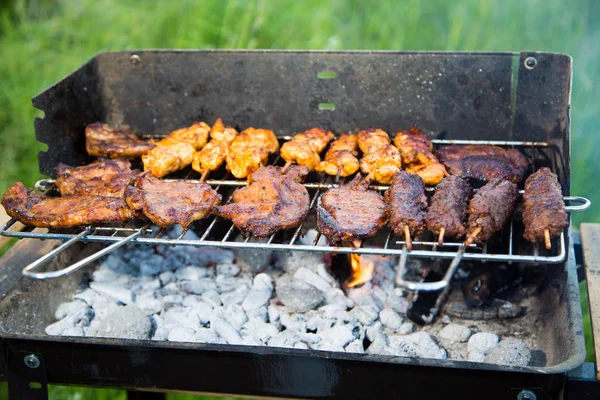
x: 28, y: 270
x: 427, y: 286
x: 584, y: 203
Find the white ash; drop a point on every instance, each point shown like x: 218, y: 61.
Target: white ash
x: 286, y: 299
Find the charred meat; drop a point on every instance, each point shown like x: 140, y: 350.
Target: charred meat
x: 272, y: 201
x: 448, y: 212
x: 102, y: 140
x: 417, y: 157
x: 250, y: 150
x: 350, y: 211
x: 304, y: 148
x: 340, y: 159
x: 381, y: 160
x: 62, y: 212
x: 103, y: 178
x: 484, y: 162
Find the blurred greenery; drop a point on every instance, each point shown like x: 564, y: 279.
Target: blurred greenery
x: 43, y: 40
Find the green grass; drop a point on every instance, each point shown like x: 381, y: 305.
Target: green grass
x: 41, y: 41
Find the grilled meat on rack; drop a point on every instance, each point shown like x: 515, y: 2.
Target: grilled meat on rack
x: 417, y: 158
x: 484, y: 162
x: 62, y: 212
x: 381, y: 160
x: 107, y: 178
x: 101, y: 140
x: 448, y: 211
x: 340, y: 159
x: 168, y: 203
x: 212, y: 156
x: 304, y: 148
x: 406, y: 205
x: 544, y: 215
x: 250, y: 150
x: 272, y: 201
x: 350, y: 211
x: 490, y: 209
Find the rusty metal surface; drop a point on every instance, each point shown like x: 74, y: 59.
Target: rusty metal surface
x: 590, y: 240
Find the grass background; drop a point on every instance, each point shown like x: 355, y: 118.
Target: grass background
x: 43, y: 40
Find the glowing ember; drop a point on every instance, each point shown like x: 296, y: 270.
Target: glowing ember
x: 362, y: 270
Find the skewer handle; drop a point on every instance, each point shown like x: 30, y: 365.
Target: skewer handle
x: 547, y: 240
x: 472, y: 236
x: 441, y: 236
x: 407, y: 237
x: 285, y: 167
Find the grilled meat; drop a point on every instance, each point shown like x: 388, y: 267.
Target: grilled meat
x: 544, y: 207
x: 168, y: 203
x: 101, y: 140
x: 483, y: 162
x: 272, y: 201
x: 341, y: 157
x: 195, y: 135
x: 212, y: 156
x: 417, y: 158
x: 250, y: 150
x: 406, y: 204
x: 490, y: 209
x: 103, y: 178
x: 449, y: 208
x: 381, y: 160
x: 62, y: 212
x: 350, y: 211
x: 305, y: 147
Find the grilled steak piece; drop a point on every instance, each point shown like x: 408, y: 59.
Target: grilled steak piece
x: 544, y: 206
x: 102, y: 140
x: 62, y: 212
x: 350, y: 211
x: 272, y: 201
x: 449, y: 207
x: 484, y: 162
x: 107, y: 178
x: 491, y: 208
x: 406, y: 204
x: 168, y: 203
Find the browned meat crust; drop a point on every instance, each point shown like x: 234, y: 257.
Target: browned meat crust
x: 62, y: 212
x: 107, y: 178
x: 341, y: 157
x: 304, y: 148
x: 449, y: 207
x: 102, y: 140
x: 270, y: 202
x: 168, y: 203
x: 544, y: 206
x: 484, y: 162
x: 350, y: 212
x: 491, y: 208
x: 406, y: 204
x: 417, y: 158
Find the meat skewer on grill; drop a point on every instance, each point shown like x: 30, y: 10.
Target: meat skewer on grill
x: 102, y: 140
x: 381, y: 160
x: 107, y: 178
x: 417, y: 157
x: 350, y: 211
x: 212, y: 156
x: 340, y: 158
x: 544, y: 214
x: 250, y: 150
x: 490, y: 209
x: 304, y: 148
x: 272, y: 201
x: 448, y: 211
x: 406, y: 206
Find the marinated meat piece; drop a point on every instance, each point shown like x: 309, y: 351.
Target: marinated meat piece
x: 544, y: 215
x: 484, y: 162
x: 168, y: 203
x: 490, y: 209
x: 103, y: 178
x: 163, y: 160
x: 212, y: 156
x: 250, y: 150
x: 417, y: 158
x: 305, y: 147
x: 406, y: 205
x: 101, y: 140
x: 195, y: 135
x: 350, y: 211
x: 381, y: 160
x: 340, y: 158
x: 370, y: 140
x: 448, y: 212
x: 270, y: 202
x: 62, y: 212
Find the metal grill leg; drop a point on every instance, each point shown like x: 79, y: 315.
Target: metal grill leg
x: 27, y: 376
x: 135, y: 395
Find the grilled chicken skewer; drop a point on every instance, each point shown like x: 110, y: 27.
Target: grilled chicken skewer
x: 213, y: 155
x: 417, y: 157
x: 340, y: 158
x: 448, y: 212
x: 107, y: 178
x: 250, y: 150
x: 544, y: 214
x: 101, y: 140
x: 381, y: 160
x: 304, y: 148
x: 406, y: 206
x: 490, y: 209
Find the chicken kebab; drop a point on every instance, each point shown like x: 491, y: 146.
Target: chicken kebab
x: 340, y: 159
x: 417, y: 157
x: 250, y: 150
x: 213, y: 155
x: 305, y: 147
x: 101, y: 140
x: 381, y: 160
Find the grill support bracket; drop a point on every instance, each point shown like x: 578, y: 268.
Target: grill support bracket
x: 27, y: 378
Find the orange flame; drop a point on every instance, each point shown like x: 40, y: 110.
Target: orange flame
x: 362, y: 270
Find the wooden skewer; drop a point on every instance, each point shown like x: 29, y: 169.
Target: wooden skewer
x: 407, y: 237
x: 204, y: 174
x: 547, y: 239
x: 356, y: 244
x: 472, y: 236
x: 337, y: 176
x: 441, y: 236
x: 285, y: 167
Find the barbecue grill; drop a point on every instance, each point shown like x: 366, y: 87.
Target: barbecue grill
x: 510, y: 100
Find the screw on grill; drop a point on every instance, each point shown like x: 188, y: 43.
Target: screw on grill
x: 526, y: 395
x: 32, y: 361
